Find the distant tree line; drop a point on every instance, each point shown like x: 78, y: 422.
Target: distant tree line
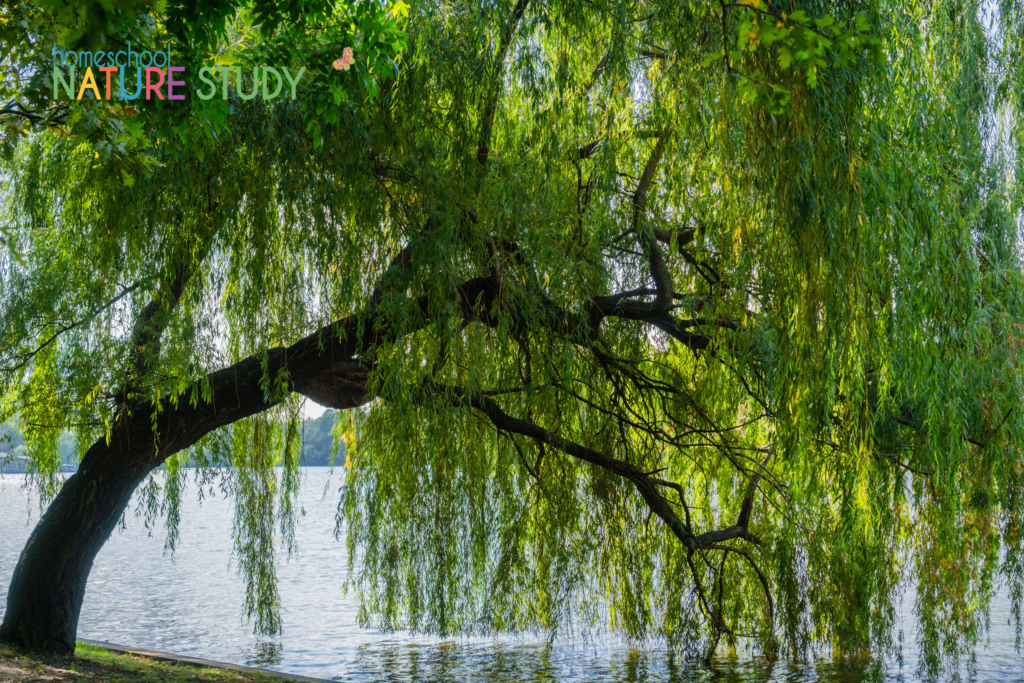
x: 317, y: 441
x: 12, y: 443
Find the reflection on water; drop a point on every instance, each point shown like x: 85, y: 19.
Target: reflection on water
x: 192, y: 605
x: 500, y: 663
x: 266, y: 653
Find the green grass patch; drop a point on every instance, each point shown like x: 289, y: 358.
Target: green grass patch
x: 91, y: 663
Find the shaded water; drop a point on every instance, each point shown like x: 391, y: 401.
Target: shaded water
x: 193, y: 605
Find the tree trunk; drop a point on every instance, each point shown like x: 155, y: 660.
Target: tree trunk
x: 45, y: 595
x: 46, y: 591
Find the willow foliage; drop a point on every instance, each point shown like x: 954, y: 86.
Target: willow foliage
x: 678, y: 339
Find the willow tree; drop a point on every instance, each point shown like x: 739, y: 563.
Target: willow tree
x: 697, y: 321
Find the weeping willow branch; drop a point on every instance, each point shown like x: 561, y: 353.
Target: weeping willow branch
x: 645, y: 485
x: 24, y: 359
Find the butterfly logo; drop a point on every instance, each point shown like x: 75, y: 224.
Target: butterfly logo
x: 346, y: 60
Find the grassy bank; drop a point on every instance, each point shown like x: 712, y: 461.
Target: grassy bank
x: 90, y: 663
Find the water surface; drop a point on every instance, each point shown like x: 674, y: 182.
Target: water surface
x: 137, y: 595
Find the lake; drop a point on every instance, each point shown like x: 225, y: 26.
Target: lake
x: 192, y: 605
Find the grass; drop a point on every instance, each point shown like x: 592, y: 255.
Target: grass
x: 90, y: 663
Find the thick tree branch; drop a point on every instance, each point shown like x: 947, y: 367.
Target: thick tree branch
x: 395, y: 277
x: 748, y: 501
x: 683, y: 237
x: 149, y: 328
x: 153, y: 320
x: 659, y: 269
x: 487, y: 122
x: 586, y: 151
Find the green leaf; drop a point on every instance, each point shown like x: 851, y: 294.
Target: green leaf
x: 785, y: 57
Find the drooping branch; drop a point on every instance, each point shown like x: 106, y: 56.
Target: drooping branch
x: 765, y: 586
x: 494, y: 85
x: 646, y: 485
x: 24, y: 359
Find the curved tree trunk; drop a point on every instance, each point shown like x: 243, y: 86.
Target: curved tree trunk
x: 45, y: 596
x: 46, y: 591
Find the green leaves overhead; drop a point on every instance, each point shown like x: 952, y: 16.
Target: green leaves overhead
x: 229, y: 34
x: 799, y: 42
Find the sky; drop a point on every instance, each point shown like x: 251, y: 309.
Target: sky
x: 311, y: 410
